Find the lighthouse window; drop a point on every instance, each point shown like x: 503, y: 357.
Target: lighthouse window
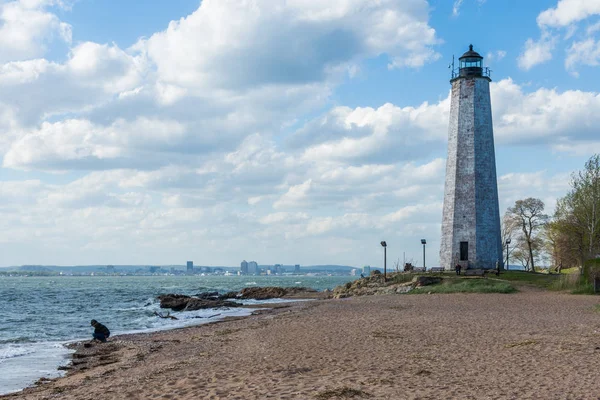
x: 469, y: 63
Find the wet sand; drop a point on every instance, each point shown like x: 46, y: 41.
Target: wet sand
x: 527, y: 345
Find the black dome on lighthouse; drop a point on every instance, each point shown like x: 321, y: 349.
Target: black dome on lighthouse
x: 471, y: 53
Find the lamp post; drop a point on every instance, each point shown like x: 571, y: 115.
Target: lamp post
x: 424, y: 242
x: 384, y: 244
x: 507, y: 243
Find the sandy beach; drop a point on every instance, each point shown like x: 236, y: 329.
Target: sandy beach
x: 527, y: 345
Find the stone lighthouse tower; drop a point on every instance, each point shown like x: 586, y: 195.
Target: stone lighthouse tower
x: 471, y: 216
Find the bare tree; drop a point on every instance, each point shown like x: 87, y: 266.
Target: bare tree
x: 562, y: 242
x: 552, y: 246
x: 521, y: 255
x: 521, y: 252
x: 526, y: 218
x: 397, y: 265
x: 506, y: 230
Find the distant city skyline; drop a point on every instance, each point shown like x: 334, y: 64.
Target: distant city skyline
x: 189, y: 269
x: 282, y: 131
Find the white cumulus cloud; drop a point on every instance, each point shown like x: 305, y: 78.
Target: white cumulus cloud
x: 27, y: 27
x: 536, y: 52
x: 311, y: 39
x: 567, y: 12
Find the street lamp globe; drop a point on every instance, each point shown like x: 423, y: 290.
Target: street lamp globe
x: 384, y: 244
x: 424, y: 242
x: 507, y: 249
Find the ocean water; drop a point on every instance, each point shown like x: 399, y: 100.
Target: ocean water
x: 39, y: 315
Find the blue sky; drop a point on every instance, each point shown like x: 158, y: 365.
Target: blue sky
x: 296, y: 131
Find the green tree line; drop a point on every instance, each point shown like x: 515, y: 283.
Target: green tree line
x: 570, y: 237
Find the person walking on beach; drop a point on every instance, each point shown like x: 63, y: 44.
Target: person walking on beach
x: 101, y: 332
x: 457, y: 269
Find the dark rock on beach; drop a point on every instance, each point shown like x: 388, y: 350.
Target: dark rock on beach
x: 229, y: 295
x: 209, y: 295
x: 175, y: 302
x: 199, y: 304
x: 88, y: 355
x: 273, y: 292
x: 262, y: 293
x: 179, y: 302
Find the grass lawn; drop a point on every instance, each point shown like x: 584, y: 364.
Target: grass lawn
x: 542, y: 280
x: 507, y: 282
x: 467, y: 285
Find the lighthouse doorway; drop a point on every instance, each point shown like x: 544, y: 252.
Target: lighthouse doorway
x: 464, y: 251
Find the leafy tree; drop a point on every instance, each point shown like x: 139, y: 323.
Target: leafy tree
x: 577, y: 215
x: 560, y: 246
x: 584, y: 201
x: 570, y: 237
x: 525, y: 219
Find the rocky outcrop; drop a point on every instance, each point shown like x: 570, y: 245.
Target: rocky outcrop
x: 179, y: 302
x: 262, y: 293
x: 374, y: 285
x: 272, y: 292
x: 175, y: 302
x: 208, y: 295
x: 199, y: 304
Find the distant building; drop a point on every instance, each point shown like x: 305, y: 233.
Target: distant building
x: 297, y: 268
x: 190, y: 267
x: 253, y: 268
x: 366, y: 270
x: 353, y: 272
x: 244, y: 267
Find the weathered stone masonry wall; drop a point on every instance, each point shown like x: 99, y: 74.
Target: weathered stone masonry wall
x: 446, y: 248
x: 470, y: 211
x: 489, y: 246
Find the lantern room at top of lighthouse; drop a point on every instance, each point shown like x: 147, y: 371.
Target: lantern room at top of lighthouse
x: 471, y: 65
